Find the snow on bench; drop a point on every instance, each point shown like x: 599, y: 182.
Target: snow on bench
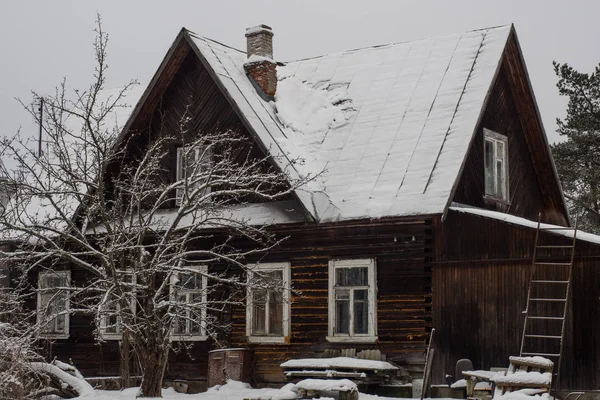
x: 537, y: 362
x: 328, y: 385
x: 524, y: 378
x: 525, y: 394
x: 328, y: 373
x: 314, y: 388
x: 355, y: 364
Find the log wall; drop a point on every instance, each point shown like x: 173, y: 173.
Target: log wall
x: 480, y: 281
x: 402, y: 251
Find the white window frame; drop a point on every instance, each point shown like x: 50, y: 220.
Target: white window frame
x: 495, y: 138
x: 104, y: 318
x: 191, y: 337
x: 198, y: 150
x: 41, y: 307
x: 371, y: 336
x: 286, y: 269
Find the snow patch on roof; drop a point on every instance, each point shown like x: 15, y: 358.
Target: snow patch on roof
x: 309, y: 111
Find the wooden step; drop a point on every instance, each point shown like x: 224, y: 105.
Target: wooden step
x: 553, y: 263
x: 548, y: 300
x: 544, y: 336
x: 545, y: 281
x: 548, y: 318
x: 554, y: 247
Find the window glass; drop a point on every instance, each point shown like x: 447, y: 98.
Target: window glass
x: 53, y: 302
x: 489, y: 167
x: 191, y: 161
x: 496, y: 184
x: 342, y: 311
x: 190, y: 294
x: 350, y: 301
x: 267, y: 294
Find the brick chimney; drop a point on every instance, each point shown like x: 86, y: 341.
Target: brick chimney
x: 260, y: 65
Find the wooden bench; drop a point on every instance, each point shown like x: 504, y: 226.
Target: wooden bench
x: 527, y: 375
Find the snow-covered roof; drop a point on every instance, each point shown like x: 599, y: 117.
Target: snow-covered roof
x: 511, y: 219
x: 389, y: 126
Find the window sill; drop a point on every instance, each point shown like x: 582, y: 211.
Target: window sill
x: 189, y: 338
x: 352, y: 339
x: 269, y: 339
x: 52, y: 336
x: 111, y: 336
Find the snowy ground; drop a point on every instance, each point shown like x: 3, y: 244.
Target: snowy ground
x: 231, y: 391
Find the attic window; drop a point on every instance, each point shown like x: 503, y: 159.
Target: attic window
x: 193, y: 166
x: 496, y: 165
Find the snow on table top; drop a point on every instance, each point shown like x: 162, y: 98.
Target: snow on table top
x: 523, y: 378
x: 511, y: 219
x: 416, y: 106
x: 336, y: 385
x: 338, y: 362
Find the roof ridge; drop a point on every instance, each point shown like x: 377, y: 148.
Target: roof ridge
x: 195, y: 35
x: 397, y: 43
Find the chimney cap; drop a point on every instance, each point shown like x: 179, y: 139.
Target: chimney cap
x: 255, y: 30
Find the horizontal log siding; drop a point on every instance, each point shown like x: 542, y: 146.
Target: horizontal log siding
x: 403, y: 296
x: 480, y: 279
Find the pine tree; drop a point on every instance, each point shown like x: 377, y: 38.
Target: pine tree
x: 578, y: 157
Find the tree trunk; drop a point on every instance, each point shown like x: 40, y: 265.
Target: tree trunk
x: 125, y: 361
x: 153, y: 362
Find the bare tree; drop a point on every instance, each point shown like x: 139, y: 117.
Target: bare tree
x: 17, y: 347
x: 161, y: 255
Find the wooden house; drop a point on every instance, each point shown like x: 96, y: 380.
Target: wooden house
x: 435, y: 163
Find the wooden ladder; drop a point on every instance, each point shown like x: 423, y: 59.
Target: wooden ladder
x: 548, y: 298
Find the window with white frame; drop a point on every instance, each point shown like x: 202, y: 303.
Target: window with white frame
x: 53, y: 304
x: 189, y: 292
x: 496, y: 165
x: 111, y: 323
x: 192, y: 163
x: 352, y: 300
x: 268, y: 302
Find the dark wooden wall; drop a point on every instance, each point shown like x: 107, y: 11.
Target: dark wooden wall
x: 402, y: 251
x: 190, y: 91
x: 480, y: 277
x: 511, y: 112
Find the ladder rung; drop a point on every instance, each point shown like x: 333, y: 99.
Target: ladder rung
x: 543, y: 281
x: 540, y: 354
x: 537, y: 299
x: 544, y: 336
x: 559, y: 228
x: 554, y: 247
x: 552, y: 263
x: 549, y: 318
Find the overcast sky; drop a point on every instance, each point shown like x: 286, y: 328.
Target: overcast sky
x: 43, y: 41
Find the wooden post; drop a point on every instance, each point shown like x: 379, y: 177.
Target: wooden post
x: 428, y: 359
